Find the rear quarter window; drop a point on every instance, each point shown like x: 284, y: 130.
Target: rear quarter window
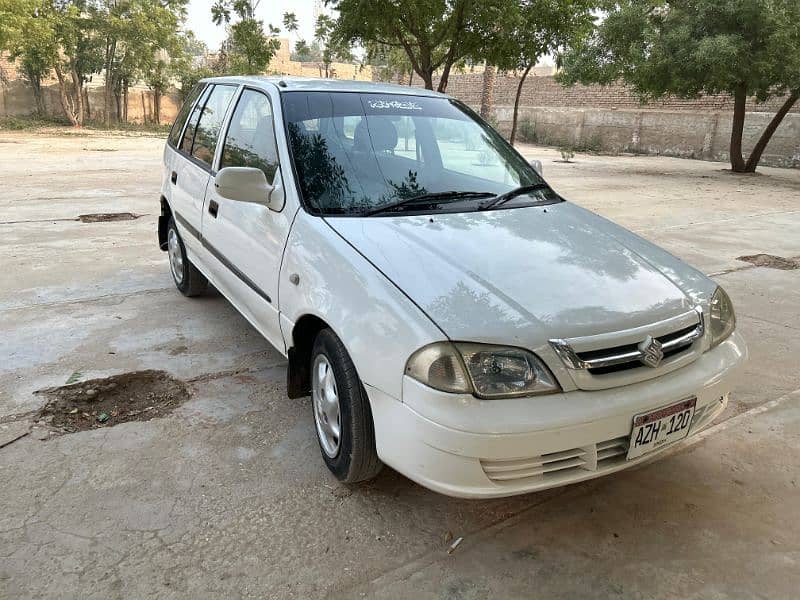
x: 183, y: 114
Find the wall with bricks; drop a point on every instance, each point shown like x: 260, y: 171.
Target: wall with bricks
x: 612, y: 119
x: 546, y: 91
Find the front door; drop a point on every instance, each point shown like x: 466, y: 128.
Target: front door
x: 247, y: 239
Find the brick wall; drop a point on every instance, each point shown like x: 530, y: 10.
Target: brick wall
x: 545, y: 91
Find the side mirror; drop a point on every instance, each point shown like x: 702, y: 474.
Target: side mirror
x: 537, y: 165
x: 243, y: 184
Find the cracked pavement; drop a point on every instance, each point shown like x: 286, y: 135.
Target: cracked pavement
x: 227, y: 495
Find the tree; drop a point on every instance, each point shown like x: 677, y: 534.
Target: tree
x: 390, y: 64
x: 305, y: 52
x: 78, y: 53
x: 333, y: 48
x: 52, y: 36
x: 687, y: 48
x: 135, y: 33
x: 434, y: 34
x: 248, y: 48
x: 532, y: 29
x: 290, y: 22
x: 29, y: 40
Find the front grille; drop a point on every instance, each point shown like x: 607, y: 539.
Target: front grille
x: 676, y: 336
x: 557, y: 465
x: 635, y: 364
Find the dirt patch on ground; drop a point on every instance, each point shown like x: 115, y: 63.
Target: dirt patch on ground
x: 106, y: 217
x: 771, y: 261
x: 137, y: 396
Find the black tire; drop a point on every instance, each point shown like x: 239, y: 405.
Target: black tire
x: 356, y: 459
x: 190, y: 282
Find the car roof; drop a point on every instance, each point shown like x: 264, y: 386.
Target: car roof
x: 313, y: 84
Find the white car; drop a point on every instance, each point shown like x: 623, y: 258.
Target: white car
x: 449, y: 313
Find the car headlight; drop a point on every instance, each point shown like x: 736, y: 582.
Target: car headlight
x: 722, y: 321
x: 484, y: 370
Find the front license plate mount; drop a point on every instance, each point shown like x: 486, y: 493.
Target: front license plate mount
x: 661, y: 427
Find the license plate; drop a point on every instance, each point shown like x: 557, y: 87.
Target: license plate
x: 661, y: 427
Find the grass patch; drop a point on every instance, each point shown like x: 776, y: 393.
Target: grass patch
x: 31, y: 122
x: 35, y: 123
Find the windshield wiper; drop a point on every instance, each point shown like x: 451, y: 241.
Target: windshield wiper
x: 505, y: 197
x: 422, y: 198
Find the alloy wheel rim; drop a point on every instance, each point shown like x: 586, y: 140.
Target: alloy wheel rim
x: 325, y: 398
x: 175, y: 256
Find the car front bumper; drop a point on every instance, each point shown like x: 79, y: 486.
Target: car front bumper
x: 460, y: 446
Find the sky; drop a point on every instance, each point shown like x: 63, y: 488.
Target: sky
x: 198, y: 19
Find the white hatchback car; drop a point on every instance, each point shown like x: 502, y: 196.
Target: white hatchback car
x: 448, y: 312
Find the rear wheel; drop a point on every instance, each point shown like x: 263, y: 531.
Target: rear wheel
x: 342, y: 415
x: 189, y: 281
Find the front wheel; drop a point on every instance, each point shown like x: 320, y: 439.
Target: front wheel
x: 342, y: 414
x: 189, y: 281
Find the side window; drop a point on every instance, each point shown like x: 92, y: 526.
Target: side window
x: 183, y: 114
x: 210, y: 123
x: 191, y: 127
x: 250, y: 141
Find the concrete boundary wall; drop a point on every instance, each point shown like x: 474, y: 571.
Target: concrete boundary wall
x: 16, y: 99
x: 685, y: 134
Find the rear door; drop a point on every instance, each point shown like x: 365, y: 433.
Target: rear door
x: 247, y: 239
x: 192, y: 170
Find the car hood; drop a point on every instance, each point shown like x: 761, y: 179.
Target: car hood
x: 525, y: 275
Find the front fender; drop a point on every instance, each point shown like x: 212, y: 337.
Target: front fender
x: 378, y: 324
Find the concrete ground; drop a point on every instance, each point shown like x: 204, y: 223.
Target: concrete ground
x: 227, y: 496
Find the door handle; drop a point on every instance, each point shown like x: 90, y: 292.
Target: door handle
x: 213, y: 208
x: 173, y: 178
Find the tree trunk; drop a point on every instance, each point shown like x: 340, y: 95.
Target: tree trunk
x: 737, y: 129
x: 410, y: 77
x: 761, y: 145
x: 427, y: 79
x: 125, y: 101
x: 157, y: 105
x: 117, y: 104
x: 111, y: 49
x: 445, y: 77
x: 36, y: 84
x: 76, y: 91
x: 517, y: 96
x: 487, y: 91
x: 86, y: 107
x: 64, y: 96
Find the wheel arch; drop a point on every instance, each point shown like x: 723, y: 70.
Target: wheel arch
x: 163, y: 222
x: 298, y: 374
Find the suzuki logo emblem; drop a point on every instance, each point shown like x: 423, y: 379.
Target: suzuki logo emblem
x: 651, y: 352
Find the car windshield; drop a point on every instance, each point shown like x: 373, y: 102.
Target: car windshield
x: 355, y: 154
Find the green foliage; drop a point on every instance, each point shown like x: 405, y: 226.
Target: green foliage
x: 30, y: 123
x: 190, y: 76
x: 333, y: 48
x: 691, y: 47
x: 305, y: 52
x: 248, y: 48
x: 531, y: 29
x: 388, y: 62
x: 434, y: 34
x: 290, y: 22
